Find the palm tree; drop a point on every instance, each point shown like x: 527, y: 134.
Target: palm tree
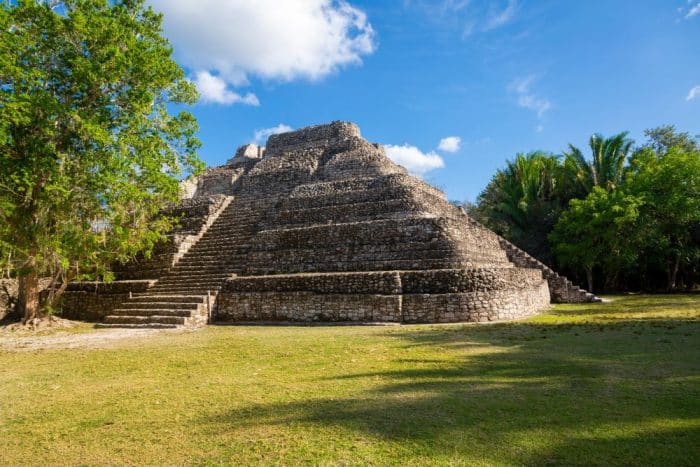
x: 606, y: 168
x: 522, y: 201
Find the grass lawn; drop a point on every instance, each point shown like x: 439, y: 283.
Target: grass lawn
x: 613, y: 383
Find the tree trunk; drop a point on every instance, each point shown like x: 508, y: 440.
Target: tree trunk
x: 589, y: 279
x: 672, y: 272
x: 28, y: 302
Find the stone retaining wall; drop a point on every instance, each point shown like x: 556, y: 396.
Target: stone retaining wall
x: 92, y: 301
x: 8, y: 294
x: 391, y: 296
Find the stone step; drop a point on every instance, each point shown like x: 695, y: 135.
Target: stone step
x: 199, y: 289
x: 164, y: 293
x: 137, y: 326
x: 187, y: 282
x: 203, y: 263
x: 188, y: 275
x: 200, y: 269
x: 152, y: 312
x: 213, y: 251
x: 184, y: 276
x: 159, y: 305
x: 185, y: 279
x: 150, y: 298
x: 190, y: 290
x: 151, y: 319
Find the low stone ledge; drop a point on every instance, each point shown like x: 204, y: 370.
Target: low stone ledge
x: 98, y: 287
x: 436, y: 281
x: 383, y: 283
x: 307, y: 307
x: 480, y: 306
x: 468, y: 280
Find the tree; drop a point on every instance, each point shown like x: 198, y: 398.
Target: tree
x: 88, y: 147
x: 598, y: 231
x: 667, y: 179
x: 523, y: 201
x: 606, y: 167
x: 665, y: 137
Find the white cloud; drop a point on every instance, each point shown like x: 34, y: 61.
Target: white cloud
x: 502, y: 17
x: 693, y: 11
x: 527, y: 99
x: 450, y: 144
x: 270, y: 39
x: 415, y: 161
x: 262, y: 135
x: 213, y: 89
x: 693, y: 93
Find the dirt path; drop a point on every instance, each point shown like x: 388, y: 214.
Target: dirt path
x: 86, y: 339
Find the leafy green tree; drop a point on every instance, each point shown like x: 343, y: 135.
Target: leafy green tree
x: 606, y: 167
x: 667, y: 179
x: 89, y: 148
x: 665, y: 137
x: 596, y: 232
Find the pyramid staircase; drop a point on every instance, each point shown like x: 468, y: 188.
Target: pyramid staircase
x: 562, y: 290
x: 186, y: 295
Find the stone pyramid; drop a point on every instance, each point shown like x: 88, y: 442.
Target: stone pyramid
x: 321, y: 226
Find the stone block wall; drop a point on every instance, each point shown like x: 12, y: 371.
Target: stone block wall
x: 391, y: 296
x: 8, y: 294
x: 494, y: 305
x: 307, y: 307
x: 92, y: 301
x: 323, y: 136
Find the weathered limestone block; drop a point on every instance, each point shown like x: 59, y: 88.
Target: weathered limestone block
x: 308, y: 307
x: 319, y: 136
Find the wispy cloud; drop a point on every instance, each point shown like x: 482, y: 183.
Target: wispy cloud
x: 471, y: 17
x: 693, y: 10
x: 526, y: 98
x: 502, y: 17
x: 694, y: 93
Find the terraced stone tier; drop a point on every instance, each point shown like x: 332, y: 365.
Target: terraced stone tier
x: 391, y: 296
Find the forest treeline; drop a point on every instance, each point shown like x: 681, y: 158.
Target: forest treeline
x: 617, y: 216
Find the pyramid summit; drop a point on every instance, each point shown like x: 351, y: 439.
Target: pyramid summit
x: 320, y: 225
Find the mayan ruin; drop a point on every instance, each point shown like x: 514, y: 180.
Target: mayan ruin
x: 319, y: 225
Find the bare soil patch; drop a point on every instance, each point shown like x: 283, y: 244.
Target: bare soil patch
x: 66, y: 334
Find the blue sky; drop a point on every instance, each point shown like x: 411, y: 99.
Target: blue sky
x: 503, y: 76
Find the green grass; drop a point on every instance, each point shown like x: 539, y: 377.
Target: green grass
x: 614, y: 383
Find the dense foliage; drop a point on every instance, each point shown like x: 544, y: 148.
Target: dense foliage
x: 89, y: 149
x: 624, y: 218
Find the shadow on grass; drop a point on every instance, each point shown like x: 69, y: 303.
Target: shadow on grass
x: 625, y: 392
x: 624, y: 304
